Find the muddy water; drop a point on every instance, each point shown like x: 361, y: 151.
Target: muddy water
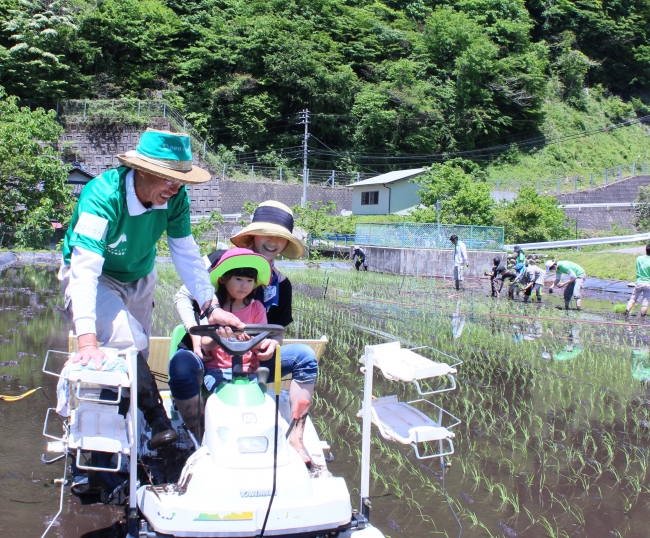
x: 555, y: 433
x: 31, y: 322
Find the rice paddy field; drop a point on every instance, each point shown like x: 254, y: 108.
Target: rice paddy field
x: 554, y: 405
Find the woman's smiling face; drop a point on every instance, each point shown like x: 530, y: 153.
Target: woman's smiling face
x: 269, y: 247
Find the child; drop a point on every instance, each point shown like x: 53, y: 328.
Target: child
x: 499, y: 271
x: 236, y: 277
x: 534, y: 282
x: 520, y: 272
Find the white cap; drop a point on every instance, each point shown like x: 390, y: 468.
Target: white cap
x: 549, y: 264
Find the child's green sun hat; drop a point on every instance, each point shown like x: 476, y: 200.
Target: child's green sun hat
x: 240, y: 258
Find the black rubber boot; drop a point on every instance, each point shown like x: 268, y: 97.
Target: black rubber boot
x: 150, y: 403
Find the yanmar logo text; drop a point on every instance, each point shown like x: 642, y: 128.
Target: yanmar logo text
x: 255, y: 493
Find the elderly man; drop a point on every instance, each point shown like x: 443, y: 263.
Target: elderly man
x: 108, y: 275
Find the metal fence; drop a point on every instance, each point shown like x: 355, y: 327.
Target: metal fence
x: 428, y: 235
x: 567, y: 184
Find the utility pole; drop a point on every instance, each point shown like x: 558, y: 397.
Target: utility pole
x: 304, y: 116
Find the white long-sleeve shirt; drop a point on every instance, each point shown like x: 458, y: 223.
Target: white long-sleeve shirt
x: 460, y: 253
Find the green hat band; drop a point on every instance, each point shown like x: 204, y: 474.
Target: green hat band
x: 165, y: 146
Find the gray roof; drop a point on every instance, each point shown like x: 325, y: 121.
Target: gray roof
x: 390, y: 177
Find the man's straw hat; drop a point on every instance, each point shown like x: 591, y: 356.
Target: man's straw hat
x: 166, y: 155
x: 271, y: 219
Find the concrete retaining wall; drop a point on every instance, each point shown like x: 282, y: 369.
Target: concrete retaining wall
x: 625, y: 190
x: 426, y: 262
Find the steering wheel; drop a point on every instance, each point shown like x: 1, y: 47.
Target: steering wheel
x: 238, y: 347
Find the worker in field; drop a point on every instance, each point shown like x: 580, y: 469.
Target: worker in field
x: 519, y: 271
x: 642, y: 284
x: 573, y: 286
x: 360, y: 255
x: 460, y: 260
x: 520, y: 256
x: 498, y: 275
x: 534, y: 281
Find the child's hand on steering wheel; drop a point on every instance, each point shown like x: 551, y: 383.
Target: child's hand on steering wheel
x: 266, y: 349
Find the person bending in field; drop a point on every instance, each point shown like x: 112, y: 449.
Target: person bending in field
x: 519, y: 271
x: 498, y: 271
x: 573, y: 286
x: 642, y: 285
x: 534, y: 282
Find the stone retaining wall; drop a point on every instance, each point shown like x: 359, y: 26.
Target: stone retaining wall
x: 625, y: 190
x: 96, y: 147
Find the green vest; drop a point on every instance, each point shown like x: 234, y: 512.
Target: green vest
x: 101, y: 223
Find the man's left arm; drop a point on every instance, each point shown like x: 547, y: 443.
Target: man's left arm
x: 571, y: 277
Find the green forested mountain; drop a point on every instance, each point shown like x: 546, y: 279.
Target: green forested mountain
x: 381, y: 78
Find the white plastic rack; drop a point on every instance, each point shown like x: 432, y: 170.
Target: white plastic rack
x: 95, y: 424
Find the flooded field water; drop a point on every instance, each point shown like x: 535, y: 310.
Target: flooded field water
x: 556, y: 417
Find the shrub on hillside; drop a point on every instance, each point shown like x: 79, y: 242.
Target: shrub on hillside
x: 462, y: 190
x: 641, y: 219
x: 532, y: 217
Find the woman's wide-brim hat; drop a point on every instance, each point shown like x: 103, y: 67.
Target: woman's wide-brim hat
x: 239, y: 258
x: 166, y: 155
x: 271, y: 219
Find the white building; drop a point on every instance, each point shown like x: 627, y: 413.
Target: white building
x: 386, y: 194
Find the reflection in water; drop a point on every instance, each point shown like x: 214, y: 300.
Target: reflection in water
x: 457, y: 322
x: 570, y: 351
x: 31, y: 322
x: 528, y: 331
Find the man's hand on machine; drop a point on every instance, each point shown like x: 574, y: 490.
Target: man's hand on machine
x: 89, y: 350
x: 218, y: 316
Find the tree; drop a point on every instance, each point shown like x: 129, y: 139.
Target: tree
x: 37, y: 60
x: 642, y: 211
x: 461, y: 187
x: 33, y: 178
x: 533, y: 217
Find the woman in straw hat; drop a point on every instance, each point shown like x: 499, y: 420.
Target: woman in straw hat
x: 269, y: 234
x: 108, y: 275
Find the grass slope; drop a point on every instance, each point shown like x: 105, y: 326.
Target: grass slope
x: 579, y: 156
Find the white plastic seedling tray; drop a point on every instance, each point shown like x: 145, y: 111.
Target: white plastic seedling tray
x: 400, y: 364
x: 398, y: 421
x: 98, y: 427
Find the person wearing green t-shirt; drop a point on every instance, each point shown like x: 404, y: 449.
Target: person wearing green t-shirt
x: 108, y: 275
x: 642, y: 285
x: 521, y: 257
x: 573, y: 286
